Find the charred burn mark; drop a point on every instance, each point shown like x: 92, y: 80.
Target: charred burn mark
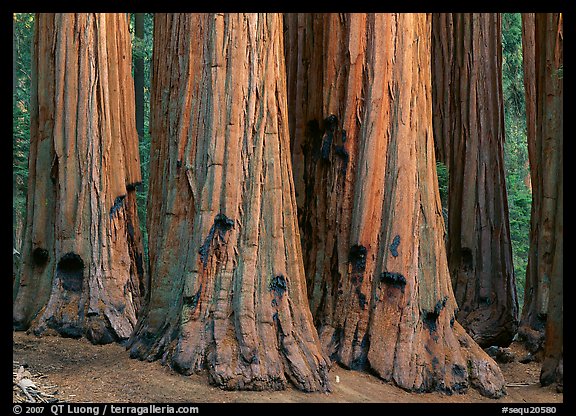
x: 459, y: 371
x: 343, y: 136
x: 393, y: 279
x: 118, y: 203
x: 205, y: 248
x: 330, y: 123
x: 222, y: 224
x: 192, y: 301
x: 459, y: 387
x: 133, y: 186
x: 467, y: 260
x: 70, y: 270
x: 40, y: 256
x: 440, y: 305
x: 357, y: 257
x: 361, y: 299
x: 394, y: 246
x: 430, y: 318
x: 326, y: 143
x: 278, y: 285
x: 342, y: 153
x: 279, y: 331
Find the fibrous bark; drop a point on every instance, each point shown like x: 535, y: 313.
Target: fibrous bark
x: 228, y: 289
x: 542, y: 316
x: 443, y: 50
x: 370, y: 219
x: 139, y: 76
x: 82, y: 272
x: 469, y: 114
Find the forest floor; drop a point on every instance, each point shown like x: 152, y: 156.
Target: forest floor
x: 77, y: 371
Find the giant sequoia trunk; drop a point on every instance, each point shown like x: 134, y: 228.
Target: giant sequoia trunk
x: 469, y: 114
x: 371, y: 222
x: 543, y: 311
x: 535, y: 309
x: 82, y: 268
x: 228, y: 289
x: 443, y: 66
x: 139, y: 76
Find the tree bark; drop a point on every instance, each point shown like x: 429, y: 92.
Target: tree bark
x: 470, y: 112
x: 228, y: 290
x: 443, y: 66
x: 139, y: 76
x: 82, y: 256
x: 542, y: 314
x: 371, y: 223
x: 533, y: 319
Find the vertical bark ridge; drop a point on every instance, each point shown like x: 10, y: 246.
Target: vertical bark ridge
x: 469, y: 114
x: 442, y: 66
x: 237, y: 306
x: 371, y: 220
x: 83, y: 273
x: 542, y: 318
x: 534, y: 312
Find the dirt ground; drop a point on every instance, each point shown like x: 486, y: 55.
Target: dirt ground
x: 77, y: 371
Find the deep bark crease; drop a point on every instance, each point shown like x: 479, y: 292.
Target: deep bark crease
x: 228, y: 289
x: 81, y: 272
x: 469, y: 133
x: 371, y: 222
x: 541, y: 326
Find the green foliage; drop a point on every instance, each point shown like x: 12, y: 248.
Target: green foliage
x: 22, y: 43
x: 560, y: 72
x: 142, y: 48
x: 515, y: 147
x: 442, y: 175
x: 442, y: 172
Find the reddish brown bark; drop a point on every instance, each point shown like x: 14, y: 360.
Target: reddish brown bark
x: 533, y: 319
x: 543, y: 312
x: 82, y: 271
x: 139, y: 76
x: 470, y: 116
x: 443, y: 106
x: 371, y: 222
x: 228, y: 289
